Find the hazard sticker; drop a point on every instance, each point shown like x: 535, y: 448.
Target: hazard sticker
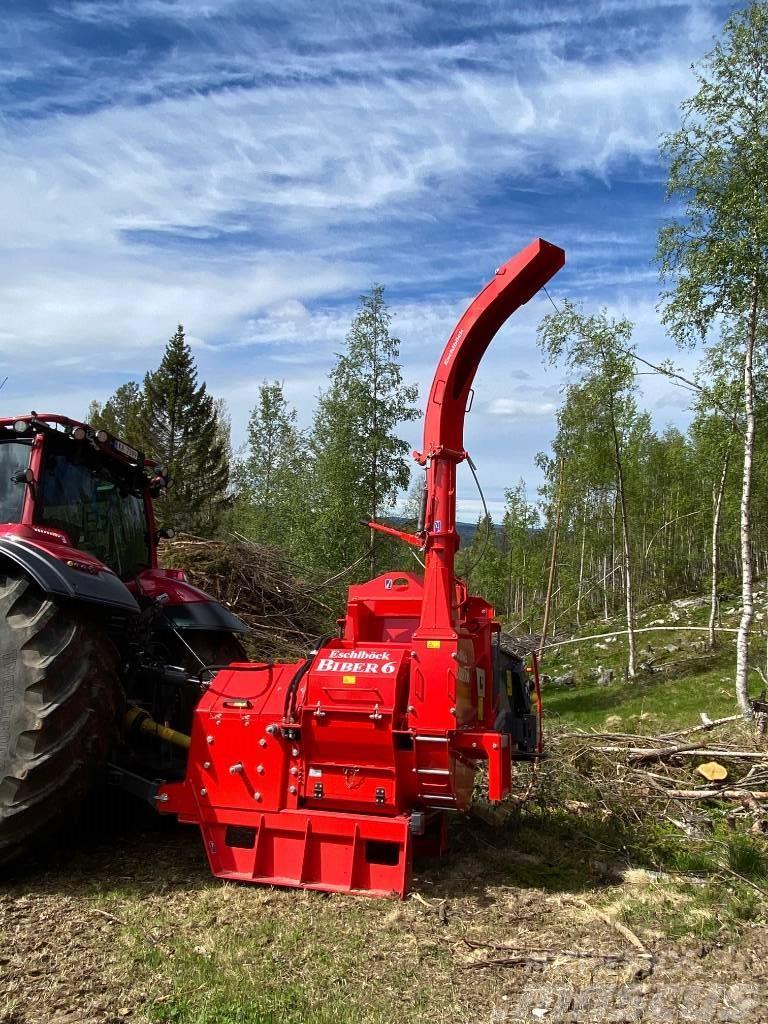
x: 433, y: 644
x: 349, y: 680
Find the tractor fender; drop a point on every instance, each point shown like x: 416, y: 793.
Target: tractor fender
x: 208, y: 615
x: 94, y: 583
x: 185, y: 605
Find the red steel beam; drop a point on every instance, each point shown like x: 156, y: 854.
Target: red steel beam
x: 512, y: 286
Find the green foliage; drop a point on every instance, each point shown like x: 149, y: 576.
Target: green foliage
x: 716, y: 256
x: 359, y: 464
x: 123, y: 415
x: 188, y: 436
x: 270, y: 478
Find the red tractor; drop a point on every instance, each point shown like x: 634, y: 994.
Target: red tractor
x: 327, y: 773
x: 95, y: 639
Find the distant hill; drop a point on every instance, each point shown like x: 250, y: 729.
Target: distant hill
x: 466, y: 531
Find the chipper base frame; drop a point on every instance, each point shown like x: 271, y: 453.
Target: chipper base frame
x: 329, y: 773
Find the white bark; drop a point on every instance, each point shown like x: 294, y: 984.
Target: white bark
x: 747, y: 609
x: 632, y: 665
x: 626, y: 549
x: 553, y: 559
x: 581, y: 563
x: 717, y: 506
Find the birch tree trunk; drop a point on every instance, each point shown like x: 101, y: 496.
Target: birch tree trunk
x: 626, y: 547
x: 747, y: 608
x: 553, y: 559
x: 717, y: 506
x: 581, y: 563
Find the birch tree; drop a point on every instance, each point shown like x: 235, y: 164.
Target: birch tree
x: 360, y: 463
x: 714, y: 258
x: 597, y: 350
x: 269, y: 479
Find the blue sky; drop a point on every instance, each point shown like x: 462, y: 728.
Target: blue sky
x: 249, y: 168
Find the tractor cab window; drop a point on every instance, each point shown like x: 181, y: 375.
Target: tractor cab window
x: 98, y: 508
x: 14, y: 456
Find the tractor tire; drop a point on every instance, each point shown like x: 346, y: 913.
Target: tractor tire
x: 59, y: 702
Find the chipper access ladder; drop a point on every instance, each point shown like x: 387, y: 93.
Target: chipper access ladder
x: 327, y: 773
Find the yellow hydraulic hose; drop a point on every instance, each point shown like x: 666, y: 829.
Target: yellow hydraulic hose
x: 138, y: 719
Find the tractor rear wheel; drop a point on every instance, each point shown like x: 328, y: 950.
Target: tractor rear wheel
x: 59, y: 699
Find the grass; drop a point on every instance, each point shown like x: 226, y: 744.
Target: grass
x: 681, y: 678
x: 651, y: 703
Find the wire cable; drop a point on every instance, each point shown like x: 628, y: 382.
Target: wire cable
x: 486, y: 519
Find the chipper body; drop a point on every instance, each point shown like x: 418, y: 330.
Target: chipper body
x: 328, y: 773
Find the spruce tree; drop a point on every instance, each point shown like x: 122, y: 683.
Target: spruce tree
x: 186, y: 434
x: 360, y: 464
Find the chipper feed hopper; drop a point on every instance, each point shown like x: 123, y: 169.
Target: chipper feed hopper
x: 328, y: 773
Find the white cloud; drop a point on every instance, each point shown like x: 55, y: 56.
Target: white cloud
x: 521, y: 408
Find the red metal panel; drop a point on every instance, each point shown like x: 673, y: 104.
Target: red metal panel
x: 363, y: 854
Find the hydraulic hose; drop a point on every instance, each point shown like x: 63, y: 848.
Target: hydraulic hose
x: 289, y: 706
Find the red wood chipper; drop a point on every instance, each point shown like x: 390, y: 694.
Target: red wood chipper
x: 328, y: 773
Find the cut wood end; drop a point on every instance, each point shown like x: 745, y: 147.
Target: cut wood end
x: 712, y: 771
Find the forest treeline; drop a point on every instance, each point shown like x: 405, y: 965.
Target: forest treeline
x: 628, y: 513
x: 303, y: 490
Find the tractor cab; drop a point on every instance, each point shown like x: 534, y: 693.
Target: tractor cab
x: 95, y: 638
x: 65, y: 483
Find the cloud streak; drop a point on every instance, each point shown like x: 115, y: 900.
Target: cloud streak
x: 250, y: 169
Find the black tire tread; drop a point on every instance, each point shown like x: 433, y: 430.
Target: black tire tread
x: 59, y: 700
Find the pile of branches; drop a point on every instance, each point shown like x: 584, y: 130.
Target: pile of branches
x: 281, y: 607
x: 722, y: 761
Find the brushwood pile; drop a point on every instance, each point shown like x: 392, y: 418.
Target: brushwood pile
x: 278, y: 602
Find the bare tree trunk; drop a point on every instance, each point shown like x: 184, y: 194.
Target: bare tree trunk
x: 717, y: 506
x: 553, y: 558
x: 613, y: 548
x: 626, y: 547
x: 522, y: 587
x: 632, y: 666
x: 747, y: 607
x: 581, y: 562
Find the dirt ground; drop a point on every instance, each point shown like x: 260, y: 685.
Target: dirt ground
x: 133, y: 929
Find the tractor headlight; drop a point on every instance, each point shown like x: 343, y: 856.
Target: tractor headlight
x: 20, y: 426
x: 102, y: 436
x: 79, y: 433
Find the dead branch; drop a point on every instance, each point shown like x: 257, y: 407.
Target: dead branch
x: 717, y: 794
x: 280, y: 603
x: 704, y: 727
x: 639, y: 754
